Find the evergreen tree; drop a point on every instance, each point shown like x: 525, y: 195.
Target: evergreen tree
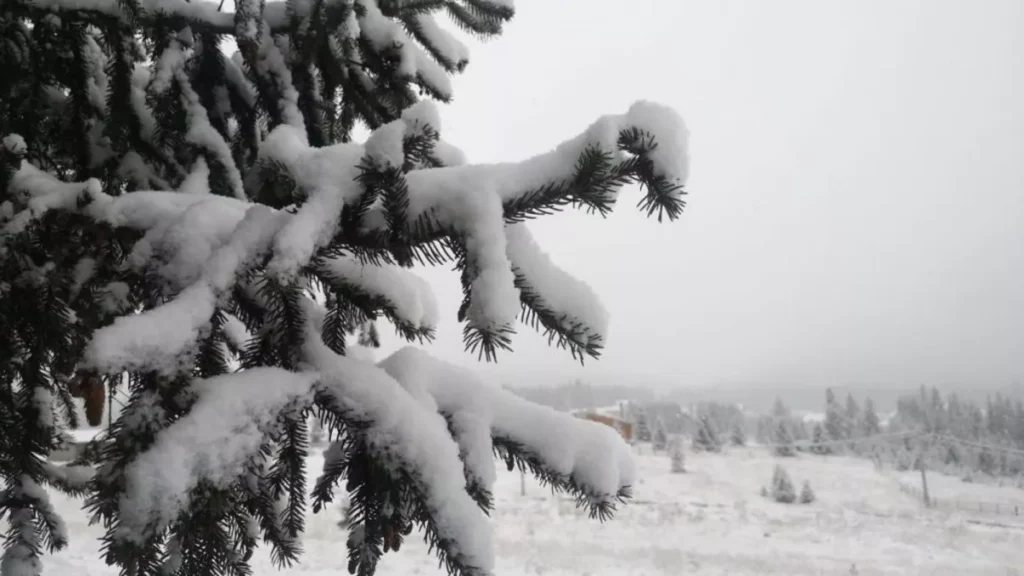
x: 806, y: 494
x: 659, y: 438
x: 738, y: 437
x: 871, y: 424
x: 904, y: 459
x: 706, y: 439
x: 208, y: 227
x: 779, y: 409
x: 835, y: 424
x: 783, y: 440
x: 951, y: 456
x: 782, y: 489
x: 643, y: 429
x: 677, y: 457
x: 852, y: 415
x: 818, y: 444
x: 987, y: 462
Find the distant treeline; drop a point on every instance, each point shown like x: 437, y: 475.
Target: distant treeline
x: 966, y: 435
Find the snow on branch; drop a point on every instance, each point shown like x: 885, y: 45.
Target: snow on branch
x: 404, y: 297
x: 442, y: 45
x: 567, y: 309
x: 413, y: 440
x: 230, y: 421
x: 161, y: 338
x: 470, y: 205
x: 590, y: 457
x: 383, y: 33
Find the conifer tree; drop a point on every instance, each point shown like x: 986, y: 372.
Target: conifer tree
x: 208, y: 226
x: 706, y: 439
x: 818, y: 443
x: 643, y: 428
x: 677, y: 456
x: 660, y: 438
x: 834, y: 420
x: 783, y: 440
x: 871, y: 424
x: 779, y: 409
x: 782, y: 489
x: 806, y: 494
x: 852, y: 414
x: 738, y: 436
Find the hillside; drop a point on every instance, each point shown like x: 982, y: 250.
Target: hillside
x: 709, y: 521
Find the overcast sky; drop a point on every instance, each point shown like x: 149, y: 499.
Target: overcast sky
x: 856, y: 197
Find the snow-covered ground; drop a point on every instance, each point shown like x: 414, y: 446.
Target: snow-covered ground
x: 710, y: 520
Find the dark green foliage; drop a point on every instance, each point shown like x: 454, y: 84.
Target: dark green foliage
x: 75, y: 88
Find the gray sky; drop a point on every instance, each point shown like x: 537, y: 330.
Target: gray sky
x: 856, y: 198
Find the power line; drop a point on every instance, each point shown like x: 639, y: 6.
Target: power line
x: 991, y: 447
x: 861, y: 439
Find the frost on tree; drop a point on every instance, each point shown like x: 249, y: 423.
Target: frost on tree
x: 677, y: 458
x: 782, y: 439
x: 782, y: 489
x: 209, y: 227
x: 706, y: 439
x: 806, y: 493
x: 659, y: 439
x: 738, y: 436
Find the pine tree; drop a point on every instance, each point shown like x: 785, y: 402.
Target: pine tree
x: 676, y: 456
x: 987, y: 462
x: 643, y: 429
x: 835, y: 424
x: 871, y: 425
x: 208, y: 227
x: 660, y: 437
x: 852, y: 414
x: 806, y: 494
x: 819, y: 443
x: 738, y: 437
x: 779, y: 409
x: 706, y: 439
x: 782, y: 489
x: 783, y: 440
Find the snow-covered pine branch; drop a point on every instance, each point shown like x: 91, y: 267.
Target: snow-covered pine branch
x: 209, y: 226
x: 472, y: 207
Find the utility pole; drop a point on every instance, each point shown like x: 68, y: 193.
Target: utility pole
x: 924, y: 475
x: 924, y: 485
x: 522, y: 483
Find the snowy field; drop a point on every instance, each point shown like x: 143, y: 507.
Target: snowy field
x: 711, y: 520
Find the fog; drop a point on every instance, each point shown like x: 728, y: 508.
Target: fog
x: 855, y: 206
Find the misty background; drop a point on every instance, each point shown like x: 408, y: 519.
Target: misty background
x: 856, y: 192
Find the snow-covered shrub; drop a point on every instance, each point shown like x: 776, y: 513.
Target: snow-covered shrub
x: 806, y: 494
x: 676, y: 456
x: 659, y: 440
x: 211, y: 227
x: 782, y: 489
